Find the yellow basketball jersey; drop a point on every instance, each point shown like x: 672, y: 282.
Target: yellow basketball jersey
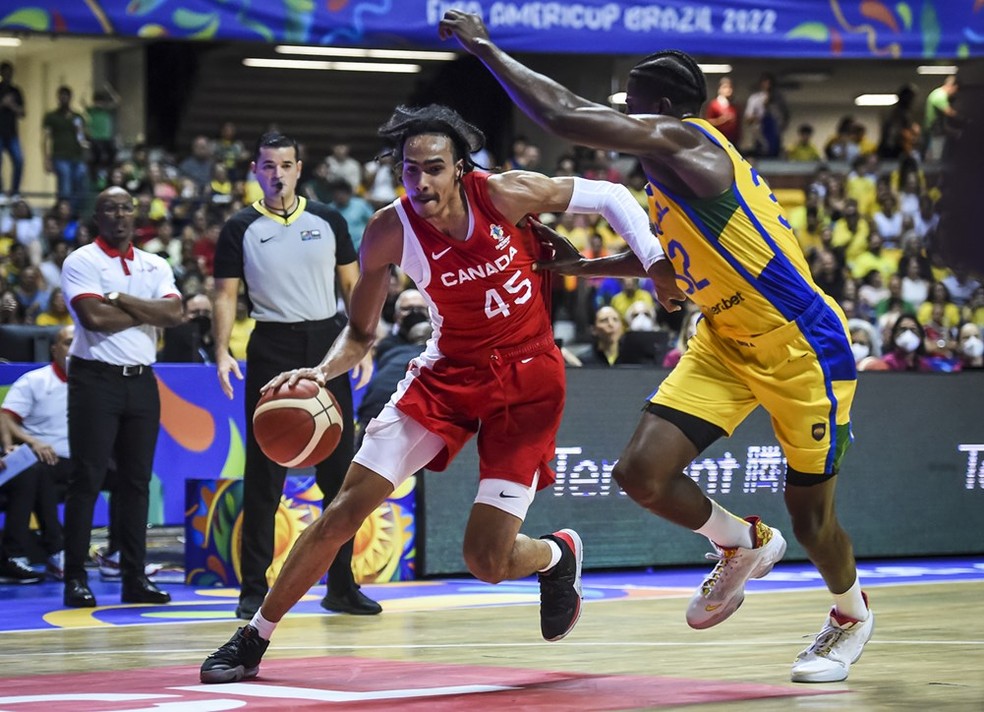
x: 735, y: 254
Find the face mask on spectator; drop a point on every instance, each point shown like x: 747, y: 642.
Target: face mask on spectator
x: 204, y: 323
x: 860, y: 351
x: 973, y: 347
x: 907, y: 340
x: 417, y: 315
x: 642, y: 322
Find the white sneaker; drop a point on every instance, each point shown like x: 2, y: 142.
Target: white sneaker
x: 839, y: 643
x: 723, y: 591
x: 109, y: 566
x: 55, y: 566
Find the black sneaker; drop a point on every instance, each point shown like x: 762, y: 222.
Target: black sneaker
x: 239, y: 659
x: 16, y: 570
x: 353, y: 602
x: 560, y: 587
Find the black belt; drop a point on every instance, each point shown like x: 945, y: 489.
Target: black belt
x: 297, y: 325
x: 125, y: 371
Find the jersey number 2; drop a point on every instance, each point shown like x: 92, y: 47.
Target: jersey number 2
x: 496, y: 305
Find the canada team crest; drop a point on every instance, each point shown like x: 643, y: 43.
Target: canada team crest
x: 499, y: 235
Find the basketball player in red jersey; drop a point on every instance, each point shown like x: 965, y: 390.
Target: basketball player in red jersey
x: 491, y: 367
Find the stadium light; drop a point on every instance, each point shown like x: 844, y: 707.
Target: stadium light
x: 617, y: 99
x: 358, y: 53
x: 715, y: 68
x: 384, y: 67
x: 876, y: 100
x: 937, y: 69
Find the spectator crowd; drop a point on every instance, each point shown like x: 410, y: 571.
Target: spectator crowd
x: 867, y: 219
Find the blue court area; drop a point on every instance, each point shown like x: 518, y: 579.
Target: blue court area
x: 39, y: 606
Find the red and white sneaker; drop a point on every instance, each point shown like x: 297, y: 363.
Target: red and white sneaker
x: 839, y: 644
x: 109, y: 566
x: 560, y: 587
x: 723, y: 591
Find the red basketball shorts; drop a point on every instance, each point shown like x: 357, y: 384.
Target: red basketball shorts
x: 515, y: 408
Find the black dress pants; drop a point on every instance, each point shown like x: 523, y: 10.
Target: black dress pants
x: 111, y: 416
x: 35, y: 491
x: 274, y: 348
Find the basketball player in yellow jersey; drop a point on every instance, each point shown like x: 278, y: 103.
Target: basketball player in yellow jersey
x: 769, y: 336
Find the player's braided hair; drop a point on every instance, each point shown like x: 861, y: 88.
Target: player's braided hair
x: 675, y: 75
x: 408, y: 121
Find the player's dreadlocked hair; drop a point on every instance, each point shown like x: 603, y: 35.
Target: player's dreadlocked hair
x: 407, y: 122
x: 674, y: 75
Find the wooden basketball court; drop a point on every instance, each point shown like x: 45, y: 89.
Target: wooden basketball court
x: 453, y: 645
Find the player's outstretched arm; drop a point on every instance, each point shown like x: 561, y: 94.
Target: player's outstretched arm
x: 567, y: 260
x: 517, y: 193
x: 558, y: 109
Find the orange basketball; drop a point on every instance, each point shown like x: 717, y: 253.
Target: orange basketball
x: 299, y: 426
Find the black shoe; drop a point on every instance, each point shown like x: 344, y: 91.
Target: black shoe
x: 142, y: 590
x: 239, y: 659
x: 560, y: 587
x: 247, y: 608
x: 78, y: 594
x: 16, y: 571
x: 352, y: 601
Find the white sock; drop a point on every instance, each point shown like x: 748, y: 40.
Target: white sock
x: 851, y: 602
x: 264, y: 627
x: 725, y: 529
x: 554, y: 555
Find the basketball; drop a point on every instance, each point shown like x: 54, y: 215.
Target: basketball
x: 299, y: 426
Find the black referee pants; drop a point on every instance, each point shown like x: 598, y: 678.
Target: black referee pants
x: 274, y: 348
x: 110, y: 415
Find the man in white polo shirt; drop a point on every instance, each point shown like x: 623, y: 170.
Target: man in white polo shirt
x: 35, y: 413
x: 118, y: 296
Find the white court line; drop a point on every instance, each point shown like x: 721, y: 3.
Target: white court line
x: 321, y: 649
x: 670, y: 593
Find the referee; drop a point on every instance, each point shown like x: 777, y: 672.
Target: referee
x: 289, y: 253
x: 118, y: 296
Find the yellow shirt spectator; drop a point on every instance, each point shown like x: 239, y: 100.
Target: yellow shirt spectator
x: 951, y: 314
x: 574, y: 227
x: 851, y: 233
x: 887, y: 264
x: 808, y: 230
x: 630, y: 294
x: 802, y: 153
x: 974, y: 315
x: 863, y: 190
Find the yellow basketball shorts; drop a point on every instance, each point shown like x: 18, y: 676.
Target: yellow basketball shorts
x: 802, y: 373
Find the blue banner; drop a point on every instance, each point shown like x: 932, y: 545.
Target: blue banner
x: 807, y: 28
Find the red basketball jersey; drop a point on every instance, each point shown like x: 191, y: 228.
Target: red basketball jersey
x: 483, y: 292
